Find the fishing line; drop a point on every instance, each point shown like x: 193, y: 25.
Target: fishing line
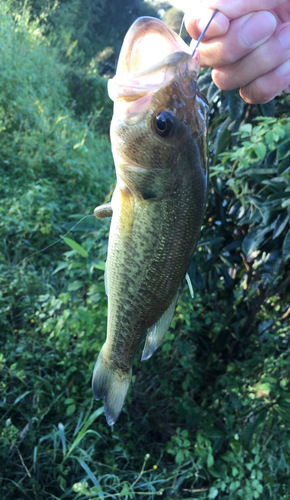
x: 187, y: 277
x: 181, y: 26
x: 203, y: 33
x: 51, y: 244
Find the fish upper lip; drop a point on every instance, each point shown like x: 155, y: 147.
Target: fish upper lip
x: 168, y: 61
x: 133, y: 85
x: 152, y: 54
x: 149, y: 36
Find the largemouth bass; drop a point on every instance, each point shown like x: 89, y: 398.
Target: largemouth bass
x: 158, y: 136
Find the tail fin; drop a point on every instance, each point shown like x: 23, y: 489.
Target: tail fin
x: 112, y: 386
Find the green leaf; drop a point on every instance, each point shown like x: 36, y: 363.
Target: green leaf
x: 68, y: 401
x: 62, y: 437
x: 210, y: 241
x: 75, y: 246
x: 196, y: 277
x: 179, y: 457
x: 91, y: 476
x: 286, y: 246
x: 249, y: 243
x: 257, y: 171
x: 213, y: 493
x: 222, y: 138
x: 283, y: 150
x: 236, y: 104
x: 283, y: 412
x: 70, y: 409
x: 210, y: 460
x: 280, y: 225
x: 260, y: 150
x: 75, y: 285
x: 250, y: 430
x: 204, y: 80
x: 268, y: 109
x: 85, y: 427
x: 212, y: 92
x: 284, y: 402
x: 228, y: 279
x: 228, y: 456
x: 283, y: 165
x: 246, y: 128
x: 286, y: 203
x: 101, y: 265
x: 235, y: 471
x: 269, y: 137
x: 189, y: 284
x: 22, y: 396
x: 61, y: 265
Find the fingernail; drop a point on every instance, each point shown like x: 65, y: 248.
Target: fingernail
x: 284, y: 36
x: 258, y: 28
x: 283, y: 69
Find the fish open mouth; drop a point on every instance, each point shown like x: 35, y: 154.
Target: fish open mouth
x: 148, y: 60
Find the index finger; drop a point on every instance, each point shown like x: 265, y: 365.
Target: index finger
x: 196, y: 19
x: 237, y: 8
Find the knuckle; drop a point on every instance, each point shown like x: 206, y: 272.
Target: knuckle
x: 261, y: 59
x: 256, y: 93
x: 228, y: 53
x: 221, y: 80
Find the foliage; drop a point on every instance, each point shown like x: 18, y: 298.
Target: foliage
x: 208, y: 416
x: 173, y: 17
x: 89, y: 25
x: 91, y: 102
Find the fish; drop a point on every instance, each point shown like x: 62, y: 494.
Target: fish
x: 159, y: 144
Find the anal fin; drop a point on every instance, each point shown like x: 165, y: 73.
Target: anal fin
x: 156, y: 333
x: 103, y: 211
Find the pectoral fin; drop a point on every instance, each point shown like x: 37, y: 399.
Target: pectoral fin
x: 103, y: 211
x: 156, y: 333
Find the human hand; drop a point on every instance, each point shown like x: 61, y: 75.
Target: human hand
x: 247, y: 45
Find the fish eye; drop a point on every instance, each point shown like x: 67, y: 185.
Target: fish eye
x: 164, y: 123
